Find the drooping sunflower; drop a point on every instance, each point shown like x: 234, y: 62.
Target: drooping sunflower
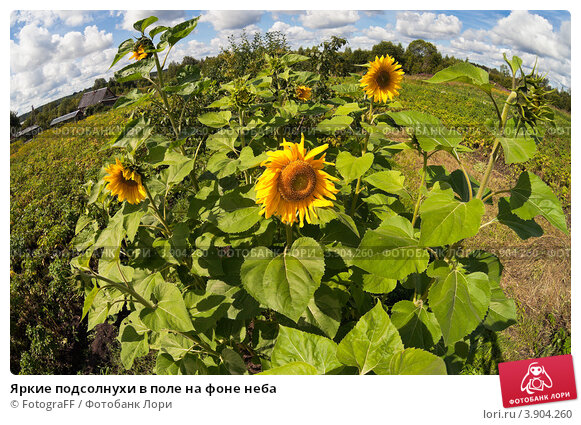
x: 139, y: 53
x: 125, y: 183
x: 303, y: 93
x: 294, y: 183
x: 382, y: 79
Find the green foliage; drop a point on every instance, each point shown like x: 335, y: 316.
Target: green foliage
x: 199, y: 277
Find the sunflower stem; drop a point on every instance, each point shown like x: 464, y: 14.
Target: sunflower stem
x: 289, y: 235
x: 123, y: 288
x: 156, y: 211
x: 493, y: 154
x: 418, y: 201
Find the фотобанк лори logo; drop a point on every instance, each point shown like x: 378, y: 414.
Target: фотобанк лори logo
x: 537, y: 381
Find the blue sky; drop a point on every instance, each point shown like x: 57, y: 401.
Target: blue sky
x: 54, y: 53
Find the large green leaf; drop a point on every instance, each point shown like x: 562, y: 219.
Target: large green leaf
x: 352, y: 167
x: 517, y: 146
x: 133, y: 135
x: 372, y: 341
x: 215, y: 119
x: 414, y: 119
x: 389, y: 181
x: 412, y: 361
x: 337, y: 123
x: 524, y: 228
x: 174, y: 34
x: 233, y: 362
x: 438, y: 137
x: 239, y: 220
x: 169, y: 311
x: 465, y: 73
x: 531, y: 197
x: 124, y: 48
x: 459, y: 302
x: 133, y: 344
x: 377, y: 284
x: 445, y: 220
x: 176, y: 345
x: 222, y: 140
x: 348, y: 108
x: 324, y: 310
x: 296, y: 346
x: 286, y: 282
x: 142, y: 24
x: 502, y: 310
x: 428, y: 129
x: 391, y: 251
x: 294, y: 368
x: 417, y: 327
x: 135, y: 71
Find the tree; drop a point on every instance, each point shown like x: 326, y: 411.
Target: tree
x: 14, y: 123
x: 421, y: 57
x: 99, y: 83
x: 388, y: 48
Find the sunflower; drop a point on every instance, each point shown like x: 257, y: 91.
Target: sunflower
x: 139, y: 53
x: 125, y: 183
x: 294, y: 183
x: 303, y: 93
x: 382, y: 79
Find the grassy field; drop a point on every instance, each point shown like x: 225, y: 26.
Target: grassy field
x: 46, y: 179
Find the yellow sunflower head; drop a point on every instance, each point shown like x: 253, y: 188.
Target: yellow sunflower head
x: 294, y: 183
x: 303, y: 93
x: 382, y: 79
x: 125, y: 183
x: 139, y: 53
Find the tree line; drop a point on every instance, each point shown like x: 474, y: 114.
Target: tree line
x: 246, y: 55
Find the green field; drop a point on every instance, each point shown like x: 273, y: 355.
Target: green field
x: 47, y: 196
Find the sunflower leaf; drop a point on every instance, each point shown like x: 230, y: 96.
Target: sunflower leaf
x: 352, y: 167
x: 286, y: 282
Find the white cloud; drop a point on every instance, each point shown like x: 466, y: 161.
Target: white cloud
x: 328, y: 18
x: 532, y: 33
x: 529, y: 36
x: 46, y: 66
x: 231, y: 19
x: 72, y: 18
x: 166, y: 17
x: 427, y: 25
x: 296, y: 35
x: 379, y: 33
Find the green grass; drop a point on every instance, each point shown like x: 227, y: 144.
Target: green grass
x: 467, y: 108
x: 46, y: 198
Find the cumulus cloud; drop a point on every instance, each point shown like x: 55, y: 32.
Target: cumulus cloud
x: 296, y: 35
x: 231, y: 19
x: 427, y: 25
x: 527, y: 35
x: 532, y: 33
x: 328, y: 18
x: 166, y: 17
x: 48, y: 18
x: 45, y: 66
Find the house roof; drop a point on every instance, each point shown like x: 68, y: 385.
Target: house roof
x: 65, y: 117
x: 29, y: 130
x: 94, y: 97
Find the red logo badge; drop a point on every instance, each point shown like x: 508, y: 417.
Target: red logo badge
x: 537, y: 381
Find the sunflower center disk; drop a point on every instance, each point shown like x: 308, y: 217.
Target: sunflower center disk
x: 297, y: 181
x: 383, y: 79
